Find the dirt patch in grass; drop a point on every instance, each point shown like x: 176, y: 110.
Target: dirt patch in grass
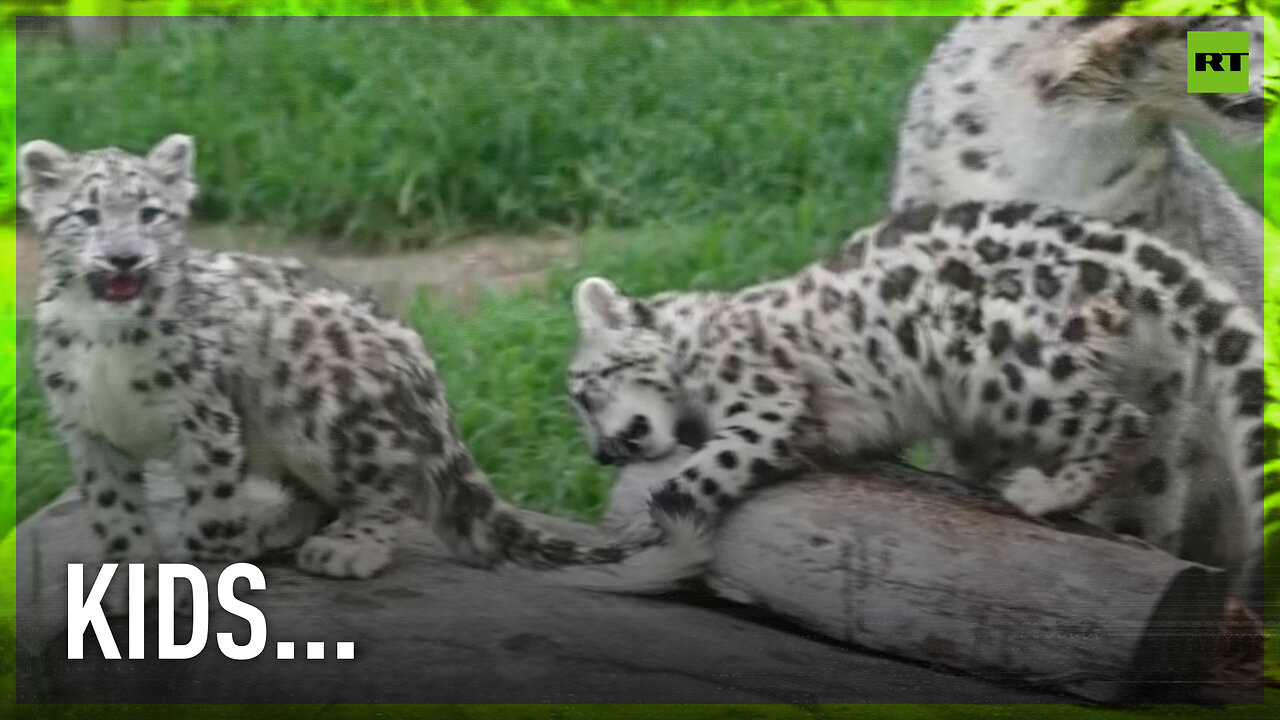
x: 459, y: 271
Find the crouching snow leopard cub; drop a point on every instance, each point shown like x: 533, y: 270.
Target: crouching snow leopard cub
x: 227, y: 365
x: 1049, y: 348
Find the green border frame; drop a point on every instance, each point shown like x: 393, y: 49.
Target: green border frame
x: 8, y: 479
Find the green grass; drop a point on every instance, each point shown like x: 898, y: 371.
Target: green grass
x: 692, y: 153
x: 402, y: 131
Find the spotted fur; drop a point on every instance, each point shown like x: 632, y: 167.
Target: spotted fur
x: 1086, y: 113
x: 1064, y: 358
x: 231, y: 367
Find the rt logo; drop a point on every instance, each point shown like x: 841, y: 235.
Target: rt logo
x: 1218, y: 62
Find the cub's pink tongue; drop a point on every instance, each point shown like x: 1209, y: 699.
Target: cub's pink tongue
x: 122, y: 287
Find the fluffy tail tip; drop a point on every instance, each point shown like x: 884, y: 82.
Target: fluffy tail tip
x: 684, y: 551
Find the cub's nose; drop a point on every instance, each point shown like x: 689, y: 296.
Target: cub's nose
x: 125, y: 263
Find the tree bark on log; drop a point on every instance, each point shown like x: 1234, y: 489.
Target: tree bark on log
x: 926, y: 568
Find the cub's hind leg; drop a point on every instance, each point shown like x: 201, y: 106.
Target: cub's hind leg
x: 372, y: 502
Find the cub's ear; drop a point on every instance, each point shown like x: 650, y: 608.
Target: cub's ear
x: 599, y: 305
x: 42, y: 165
x: 174, y: 160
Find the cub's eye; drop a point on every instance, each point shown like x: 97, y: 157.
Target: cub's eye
x: 149, y: 215
x: 88, y: 216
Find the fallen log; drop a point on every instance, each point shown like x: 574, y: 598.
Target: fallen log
x: 890, y: 560
x: 923, y: 567
x: 430, y: 630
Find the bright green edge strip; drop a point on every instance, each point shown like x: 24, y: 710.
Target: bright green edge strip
x: 561, y: 7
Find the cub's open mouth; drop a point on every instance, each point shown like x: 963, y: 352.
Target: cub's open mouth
x: 117, y: 287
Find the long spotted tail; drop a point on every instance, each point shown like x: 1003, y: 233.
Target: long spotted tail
x: 481, y: 529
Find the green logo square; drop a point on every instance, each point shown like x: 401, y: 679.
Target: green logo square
x: 1218, y: 62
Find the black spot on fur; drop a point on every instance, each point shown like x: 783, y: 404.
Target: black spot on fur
x: 906, y: 335
x: 897, y: 284
x: 727, y: 459
x: 857, y: 311
x: 970, y: 123
x: 829, y: 299
x: 1070, y: 427
x: 956, y: 273
x: 914, y: 219
x: 1038, y: 411
x: 1027, y: 349
x: 219, y: 457
x: 1112, y: 243
x: 1233, y: 345
x: 337, y: 338
x: 1148, y: 301
x: 963, y: 215
x: 1209, y: 319
x: 1012, y: 214
x: 991, y: 392
x: 1013, y: 376
x: 1001, y: 337
x: 991, y: 251
x: 1093, y: 276
x: 1078, y: 400
x: 1007, y: 285
x: 973, y: 159
x: 1251, y: 390
x: 1191, y: 293
x: 1046, y: 283
x: 1170, y: 269
x: 107, y: 498
x: 1063, y: 367
x: 303, y: 331
x: 764, y: 385
x: 731, y: 369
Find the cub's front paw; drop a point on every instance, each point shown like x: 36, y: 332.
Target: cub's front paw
x: 1031, y: 491
x: 339, y: 557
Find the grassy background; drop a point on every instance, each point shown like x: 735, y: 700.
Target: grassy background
x: 688, y: 152
x: 386, y: 132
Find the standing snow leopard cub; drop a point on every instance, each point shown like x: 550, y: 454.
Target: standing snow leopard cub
x: 1020, y: 333
x: 227, y: 365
